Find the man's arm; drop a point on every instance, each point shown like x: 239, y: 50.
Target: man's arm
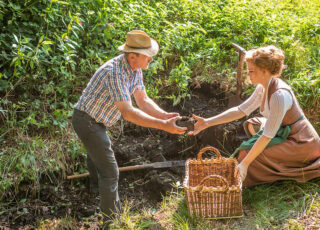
x: 141, y: 118
x: 147, y: 105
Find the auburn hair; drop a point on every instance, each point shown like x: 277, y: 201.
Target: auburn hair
x: 269, y: 58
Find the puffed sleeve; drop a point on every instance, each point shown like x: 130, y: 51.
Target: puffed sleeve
x: 253, y: 102
x: 280, y: 102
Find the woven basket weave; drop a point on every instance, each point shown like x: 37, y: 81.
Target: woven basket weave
x: 211, y: 189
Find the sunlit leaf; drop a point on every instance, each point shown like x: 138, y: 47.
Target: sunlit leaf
x: 16, y: 38
x: 41, y: 39
x: 47, y: 42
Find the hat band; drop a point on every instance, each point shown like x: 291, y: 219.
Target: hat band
x: 147, y: 47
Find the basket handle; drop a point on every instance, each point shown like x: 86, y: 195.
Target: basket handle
x: 201, y: 184
x: 208, y: 148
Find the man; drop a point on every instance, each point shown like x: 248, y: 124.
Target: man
x: 107, y: 97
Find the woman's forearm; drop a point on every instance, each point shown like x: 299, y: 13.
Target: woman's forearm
x: 256, y: 149
x: 231, y: 114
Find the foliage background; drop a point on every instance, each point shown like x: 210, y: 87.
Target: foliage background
x: 50, y: 49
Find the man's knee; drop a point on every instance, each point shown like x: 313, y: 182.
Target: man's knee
x: 110, y: 173
x: 109, y: 183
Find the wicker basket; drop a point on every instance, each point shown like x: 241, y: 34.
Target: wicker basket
x: 211, y: 189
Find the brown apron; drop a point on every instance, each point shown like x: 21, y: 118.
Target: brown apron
x: 297, y: 158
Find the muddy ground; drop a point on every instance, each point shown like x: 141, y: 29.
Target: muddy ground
x: 133, y: 145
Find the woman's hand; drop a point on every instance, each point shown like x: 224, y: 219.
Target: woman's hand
x: 242, y: 170
x: 200, y: 125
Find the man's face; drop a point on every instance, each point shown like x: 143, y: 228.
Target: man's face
x: 141, y: 61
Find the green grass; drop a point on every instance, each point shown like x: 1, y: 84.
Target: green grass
x: 284, y: 205
x: 36, y: 158
x: 271, y: 206
x: 310, y: 218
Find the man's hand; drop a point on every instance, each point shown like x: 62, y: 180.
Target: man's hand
x: 242, y: 170
x: 200, y: 125
x: 170, y: 115
x: 171, y: 126
x: 139, y: 117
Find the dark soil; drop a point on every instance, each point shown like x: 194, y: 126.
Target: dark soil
x: 187, y: 122
x: 132, y: 146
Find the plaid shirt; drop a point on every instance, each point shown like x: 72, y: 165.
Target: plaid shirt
x: 113, y: 81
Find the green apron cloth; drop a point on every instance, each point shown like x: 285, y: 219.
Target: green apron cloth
x: 281, y: 136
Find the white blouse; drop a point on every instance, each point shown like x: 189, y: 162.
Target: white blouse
x: 280, y: 102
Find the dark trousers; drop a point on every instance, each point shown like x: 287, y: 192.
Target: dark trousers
x: 101, y: 161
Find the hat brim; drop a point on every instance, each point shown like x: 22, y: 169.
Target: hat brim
x: 150, y: 52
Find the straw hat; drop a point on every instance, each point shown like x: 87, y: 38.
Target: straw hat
x: 139, y: 42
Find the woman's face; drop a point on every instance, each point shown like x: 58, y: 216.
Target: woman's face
x: 255, y: 74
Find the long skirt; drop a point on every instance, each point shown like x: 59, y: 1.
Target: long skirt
x: 297, y: 158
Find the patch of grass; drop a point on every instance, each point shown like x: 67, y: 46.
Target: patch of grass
x: 273, y: 204
x: 31, y: 159
x: 309, y: 218
x: 174, y: 214
x: 131, y: 221
x: 61, y: 223
x: 284, y: 205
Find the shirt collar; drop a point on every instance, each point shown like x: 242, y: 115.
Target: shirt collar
x: 126, y: 65
x: 269, y: 85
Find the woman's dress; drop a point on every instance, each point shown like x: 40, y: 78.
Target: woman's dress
x: 298, y: 157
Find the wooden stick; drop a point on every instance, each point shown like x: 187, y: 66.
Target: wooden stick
x: 121, y: 169
x: 78, y: 176
x: 242, y: 53
x: 163, y: 164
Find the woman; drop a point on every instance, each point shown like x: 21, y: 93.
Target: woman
x: 267, y: 157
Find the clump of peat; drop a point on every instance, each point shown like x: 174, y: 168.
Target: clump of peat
x: 187, y: 122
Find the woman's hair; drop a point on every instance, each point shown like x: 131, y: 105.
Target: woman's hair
x: 270, y: 58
